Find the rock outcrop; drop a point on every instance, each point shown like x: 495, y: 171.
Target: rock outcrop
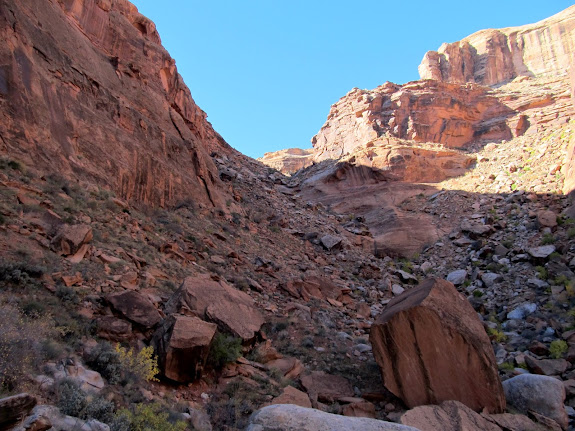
x: 288, y: 161
x: 91, y: 93
x: 375, y: 178
x: 214, y: 300
x: 431, y: 347
x: 492, y: 57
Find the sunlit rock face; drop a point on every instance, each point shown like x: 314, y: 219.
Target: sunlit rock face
x: 492, y: 57
x: 423, y: 111
x: 87, y: 90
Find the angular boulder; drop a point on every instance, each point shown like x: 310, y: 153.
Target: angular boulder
x: 431, y: 347
x: 326, y: 387
x: 291, y: 395
x: 215, y: 300
x: 183, y: 344
x: 312, y: 287
x: 449, y: 416
x: 135, y: 307
x: 288, y: 417
x: 114, y: 329
x: 69, y: 239
x: 541, y: 394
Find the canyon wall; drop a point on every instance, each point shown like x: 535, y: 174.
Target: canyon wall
x: 491, y: 57
x: 88, y: 91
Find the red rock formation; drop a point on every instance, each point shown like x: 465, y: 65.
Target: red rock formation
x: 87, y: 90
x: 569, y: 184
x: 431, y: 347
x: 183, y: 344
x: 423, y: 111
x: 288, y: 161
x: 491, y: 57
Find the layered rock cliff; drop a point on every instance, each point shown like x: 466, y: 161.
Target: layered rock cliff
x: 87, y: 90
x: 422, y: 111
x: 288, y: 161
x: 492, y: 56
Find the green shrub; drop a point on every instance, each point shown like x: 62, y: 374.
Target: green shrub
x: 224, y: 349
x: 558, y: 348
x: 542, y: 272
x: 496, y: 335
x: 20, y: 273
x: 547, y: 239
x: 104, y: 359
x: 71, y: 399
x: 100, y: 409
x: 67, y: 294
x: 32, y: 308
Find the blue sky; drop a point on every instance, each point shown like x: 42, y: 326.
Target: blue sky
x: 267, y: 71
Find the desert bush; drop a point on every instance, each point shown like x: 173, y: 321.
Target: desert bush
x: 71, y: 399
x: 20, y: 350
x: 67, y: 294
x: 224, y: 349
x: 33, y: 308
x: 145, y: 417
x: 100, y: 409
x: 143, y: 365
x: 104, y: 359
x: 120, y: 365
x: 558, y: 348
x: 20, y: 273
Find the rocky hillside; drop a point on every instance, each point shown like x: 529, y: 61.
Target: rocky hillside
x: 153, y: 278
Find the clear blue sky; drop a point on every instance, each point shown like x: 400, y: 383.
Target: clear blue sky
x: 267, y: 71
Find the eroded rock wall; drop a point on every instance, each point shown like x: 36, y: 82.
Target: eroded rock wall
x: 422, y: 111
x: 492, y: 57
x: 88, y: 91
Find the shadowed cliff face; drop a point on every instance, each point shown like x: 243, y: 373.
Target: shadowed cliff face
x: 87, y: 90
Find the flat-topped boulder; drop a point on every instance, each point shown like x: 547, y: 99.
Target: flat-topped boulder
x: 215, y: 300
x: 431, y: 347
x: 288, y: 417
x: 135, y: 307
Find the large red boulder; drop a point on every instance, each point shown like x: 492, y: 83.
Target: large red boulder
x: 431, y: 347
x: 183, y: 344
